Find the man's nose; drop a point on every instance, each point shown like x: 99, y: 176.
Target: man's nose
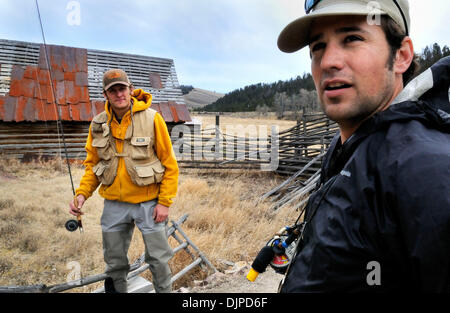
x: 118, y: 92
x: 332, y: 58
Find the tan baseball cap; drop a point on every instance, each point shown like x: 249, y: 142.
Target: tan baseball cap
x: 114, y: 77
x: 295, y: 35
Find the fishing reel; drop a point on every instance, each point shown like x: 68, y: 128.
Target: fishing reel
x: 283, y: 244
x: 278, y: 252
x: 73, y: 225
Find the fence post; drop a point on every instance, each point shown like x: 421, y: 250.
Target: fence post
x: 217, y: 143
x: 305, y: 147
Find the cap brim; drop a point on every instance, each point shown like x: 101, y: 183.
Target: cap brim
x: 295, y: 35
x: 116, y: 83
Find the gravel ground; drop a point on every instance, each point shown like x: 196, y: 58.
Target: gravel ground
x: 235, y: 281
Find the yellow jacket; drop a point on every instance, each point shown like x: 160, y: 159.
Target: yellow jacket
x: 123, y: 189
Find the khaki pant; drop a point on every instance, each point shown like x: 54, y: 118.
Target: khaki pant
x: 118, y: 221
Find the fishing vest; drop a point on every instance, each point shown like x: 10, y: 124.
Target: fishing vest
x: 141, y: 162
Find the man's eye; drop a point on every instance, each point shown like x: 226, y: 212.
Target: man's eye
x: 353, y: 38
x: 317, y: 46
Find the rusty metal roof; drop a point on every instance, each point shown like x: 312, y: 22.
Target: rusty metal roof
x: 30, y: 96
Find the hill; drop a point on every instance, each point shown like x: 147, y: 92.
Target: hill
x: 198, y: 98
x: 277, y: 96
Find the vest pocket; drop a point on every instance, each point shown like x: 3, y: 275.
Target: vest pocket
x: 102, y: 146
x: 139, y: 148
x: 146, y: 174
x: 106, y: 176
x: 99, y: 168
x: 97, y: 127
x: 159, y: 170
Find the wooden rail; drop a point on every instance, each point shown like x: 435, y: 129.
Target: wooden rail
x: 211, y: 148
x: 301, y: 150
x: 303, y: 142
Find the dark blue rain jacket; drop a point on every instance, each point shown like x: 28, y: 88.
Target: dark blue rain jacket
x: 384, y: 199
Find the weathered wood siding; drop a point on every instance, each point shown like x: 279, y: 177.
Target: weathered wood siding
x: 19, y: 139
x: 156, y: 75
x: 44, y: 138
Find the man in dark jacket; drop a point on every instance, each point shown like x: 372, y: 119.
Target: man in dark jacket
x: 379, y: 220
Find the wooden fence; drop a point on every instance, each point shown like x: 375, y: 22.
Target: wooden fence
x: 303, y: 142
x: 285, y: 152
x: 211, y: 148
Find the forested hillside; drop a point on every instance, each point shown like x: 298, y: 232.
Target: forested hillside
x: 261, y: 96
x: 295, y: 94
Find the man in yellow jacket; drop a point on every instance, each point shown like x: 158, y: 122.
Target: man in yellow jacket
x: 130, y: 155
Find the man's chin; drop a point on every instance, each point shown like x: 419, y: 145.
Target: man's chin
x: 343, y: 115
x: 335, y: 110
x: 121, y: 105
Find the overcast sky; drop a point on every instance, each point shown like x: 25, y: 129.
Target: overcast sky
x: 219, y: 45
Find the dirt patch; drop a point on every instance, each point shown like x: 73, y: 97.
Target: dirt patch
x: 235, y: 281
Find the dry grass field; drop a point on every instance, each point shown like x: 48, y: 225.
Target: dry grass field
x: 224, y: 222
x: 245, y: 119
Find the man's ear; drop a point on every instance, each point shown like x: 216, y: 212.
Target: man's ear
x: 404, y: 56
x: 104, y: 95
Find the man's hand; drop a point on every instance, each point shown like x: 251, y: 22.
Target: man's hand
x: 160, y: 213
x: 76, y: 205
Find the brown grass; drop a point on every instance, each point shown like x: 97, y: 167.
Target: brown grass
x: 244, y: 119
x: 224, y: 221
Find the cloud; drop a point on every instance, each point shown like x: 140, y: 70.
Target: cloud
x: 216, y: 44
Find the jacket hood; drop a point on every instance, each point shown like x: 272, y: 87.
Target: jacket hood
x: 425, y: 98
x: 141, y: 101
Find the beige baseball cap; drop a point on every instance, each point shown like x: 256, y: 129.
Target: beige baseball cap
x: 114, y: 77
x: 295, y: 35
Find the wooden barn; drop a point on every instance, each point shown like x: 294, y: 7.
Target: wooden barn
x: 28, y: 103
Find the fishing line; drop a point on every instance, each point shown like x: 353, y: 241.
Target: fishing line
x: 59, y: 122
x: 71, y: 225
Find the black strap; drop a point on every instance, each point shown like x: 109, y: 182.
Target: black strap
x: 403, y: 16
